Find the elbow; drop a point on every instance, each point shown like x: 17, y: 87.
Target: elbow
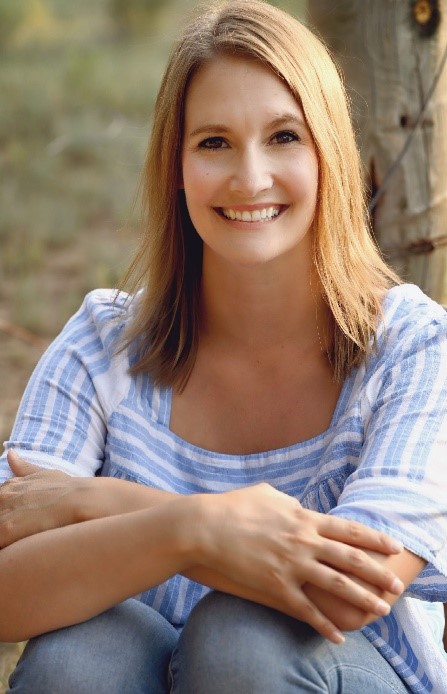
x: 11, y: 634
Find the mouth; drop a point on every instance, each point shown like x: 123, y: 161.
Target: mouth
x: 264, y: 214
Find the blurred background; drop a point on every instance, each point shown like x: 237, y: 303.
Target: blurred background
x: 77, y: 84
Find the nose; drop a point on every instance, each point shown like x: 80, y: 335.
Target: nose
x: 252, y: 173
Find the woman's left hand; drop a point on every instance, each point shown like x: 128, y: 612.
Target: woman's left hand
x: 35, y: 500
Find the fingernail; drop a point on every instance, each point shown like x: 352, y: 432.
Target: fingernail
x: 396, y: 546
x: 12, y: 453
x: 382, y: 608
x: 397, y: 586
x: 337, y: 637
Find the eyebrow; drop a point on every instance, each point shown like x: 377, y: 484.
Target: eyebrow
x: 284, y: 119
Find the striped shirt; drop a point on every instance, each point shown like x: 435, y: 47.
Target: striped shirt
x: 382, y: 461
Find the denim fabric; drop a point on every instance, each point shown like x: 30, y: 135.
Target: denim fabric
x: 228, y: 646
x: 125, y: 650
x: 231, y: 646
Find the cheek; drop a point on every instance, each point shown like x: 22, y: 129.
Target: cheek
x: 200, y: 193
x: 199, y: 180
x: 305, y: 179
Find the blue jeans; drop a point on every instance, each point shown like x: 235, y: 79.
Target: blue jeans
x: 228, y: 646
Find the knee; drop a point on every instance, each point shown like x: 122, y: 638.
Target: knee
x: 115, y: 652
x: 231, y: 645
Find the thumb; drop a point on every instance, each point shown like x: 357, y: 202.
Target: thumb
x: 20, y: 467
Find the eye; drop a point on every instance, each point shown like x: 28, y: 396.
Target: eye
x: 213, y: 143
x: 284, y: 137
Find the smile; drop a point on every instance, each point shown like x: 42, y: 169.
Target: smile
x: 264, y: 214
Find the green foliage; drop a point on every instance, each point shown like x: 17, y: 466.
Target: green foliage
x: 134, y: 14
x: 297, y: 8
x: 11, y: 15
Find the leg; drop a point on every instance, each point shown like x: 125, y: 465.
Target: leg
x: 126, y: 649
x: 230, y: 645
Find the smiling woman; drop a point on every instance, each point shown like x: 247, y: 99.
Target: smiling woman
x: 249, y: 167
x: 263, y: 414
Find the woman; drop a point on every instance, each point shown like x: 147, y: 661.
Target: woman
x: 263, y: 417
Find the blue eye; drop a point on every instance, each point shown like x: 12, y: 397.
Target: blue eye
x: 284, y: 137
x: 213, y: 143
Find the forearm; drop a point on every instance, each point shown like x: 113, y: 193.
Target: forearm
x: 69, y: 574
x: 101, y: 497
x: 233, y: 552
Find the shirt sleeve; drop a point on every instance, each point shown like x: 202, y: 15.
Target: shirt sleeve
x: 62, y: 419
x: 400, y: 484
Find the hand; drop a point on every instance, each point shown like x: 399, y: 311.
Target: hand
x: 34, y: 500
x: 268, y: 547
x: 37, y: 499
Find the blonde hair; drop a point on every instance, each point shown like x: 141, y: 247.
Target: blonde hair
x: 351, y: 273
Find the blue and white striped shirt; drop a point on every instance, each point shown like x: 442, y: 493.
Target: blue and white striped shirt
x: 382, y: 461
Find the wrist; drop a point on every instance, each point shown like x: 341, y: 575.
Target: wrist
x: 195, y: 524
x: 90, y: 500
x: 184, y: 521
x: 203, y: 520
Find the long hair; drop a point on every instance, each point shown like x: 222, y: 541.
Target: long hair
x: 350, y: 272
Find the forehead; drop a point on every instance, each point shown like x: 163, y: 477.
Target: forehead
x: 233, y: 84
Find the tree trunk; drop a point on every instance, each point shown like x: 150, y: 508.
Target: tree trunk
x: 392, y: 54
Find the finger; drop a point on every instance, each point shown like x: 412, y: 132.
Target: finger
x: 306, y: 611
x: 295, y: 603
x: 18, y: 466
x: 357, y: 535
x: 342, y: 586
x: 354, y: 561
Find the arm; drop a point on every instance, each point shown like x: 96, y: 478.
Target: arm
x: 37, y: 499
x: 399, y: 485
x: 69, y: 574
x: 221, y: 534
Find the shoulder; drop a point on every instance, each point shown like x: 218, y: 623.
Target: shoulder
x: 100, y: 322
x: 90, y: 345
x: 410, y: 317
x: 102, y: 310
x: 411, y: 345
x: 85, y: 368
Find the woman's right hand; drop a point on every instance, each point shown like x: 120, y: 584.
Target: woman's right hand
x: 268, y: 547
x: 38, y: 499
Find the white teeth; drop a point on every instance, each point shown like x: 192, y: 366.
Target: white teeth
x: 251, y: 216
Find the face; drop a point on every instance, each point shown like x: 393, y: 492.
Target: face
x: 249, y: 166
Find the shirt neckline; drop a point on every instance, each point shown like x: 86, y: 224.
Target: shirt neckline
x: 163, y: 402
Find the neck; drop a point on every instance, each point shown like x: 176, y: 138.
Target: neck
x: 261, y: 308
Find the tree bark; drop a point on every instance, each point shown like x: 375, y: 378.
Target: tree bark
x: 391, y: 52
